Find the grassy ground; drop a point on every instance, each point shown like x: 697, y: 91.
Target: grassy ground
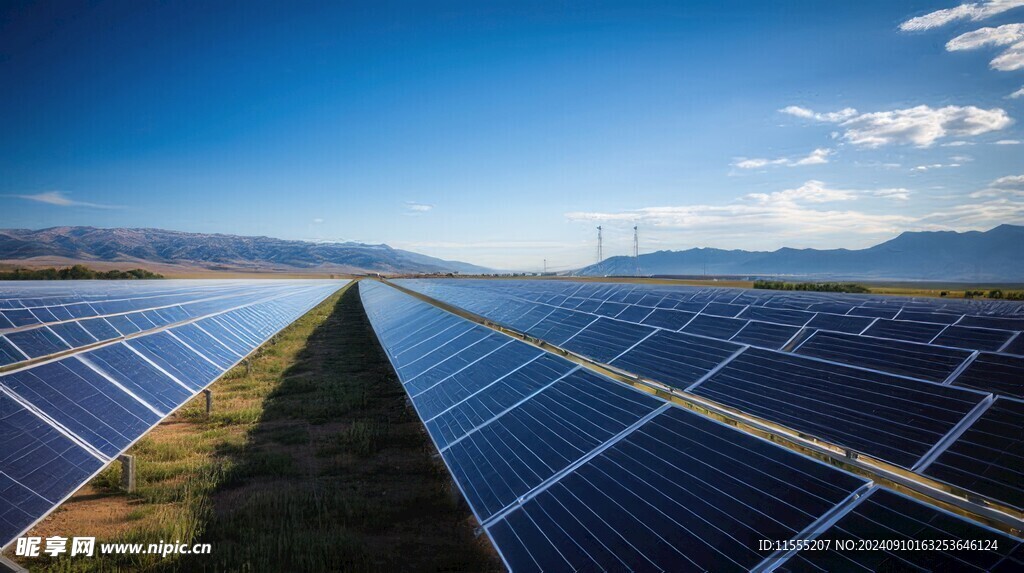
x: 311, y: 461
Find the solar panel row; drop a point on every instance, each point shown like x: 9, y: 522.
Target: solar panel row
x: 890, y: 399
x: 62, y: 420
x: 45, y: 331
x: 568, y: 470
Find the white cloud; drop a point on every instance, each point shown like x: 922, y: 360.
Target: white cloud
x: 921, y: 125
x: 1011, y: 35
x: 816, y: 157
x: 1007, y: 142
x: 810, y: 216
x: 810, y: 192
x: 960, y: 143
x: 935, y: 166
x: 974, y: 11
x: 798, y: 212
x: 1017, y: 94
x: 832, y: 117
x: 1009, y: 186
x: 417, y: 208
x: 60, y: 199
x: 1010, y: 181
x: 317, y: 221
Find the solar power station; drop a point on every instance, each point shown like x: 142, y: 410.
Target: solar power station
x: 87, y: 368
x: 635, y: 427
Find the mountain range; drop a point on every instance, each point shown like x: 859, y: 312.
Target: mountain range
x: 996, y: 255
x: 212, y: 251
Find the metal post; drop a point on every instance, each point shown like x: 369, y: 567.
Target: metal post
x: 209, y: 401
x: 127, y: 472
x: 6, y: 565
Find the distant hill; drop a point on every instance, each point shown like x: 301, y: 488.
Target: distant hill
x: 996, y: 255
x: 214, y: 251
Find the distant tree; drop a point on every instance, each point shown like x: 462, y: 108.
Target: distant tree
x: 995, y: 293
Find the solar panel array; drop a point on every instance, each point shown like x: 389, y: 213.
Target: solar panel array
x: 89, y: 367
x: 850, y: 370
x: 568, y: 470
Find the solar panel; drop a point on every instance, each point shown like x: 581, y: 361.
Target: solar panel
x: 931, y: 363
x: 891, y: 418
x: 680, y: 493
x: 676, y: 359
x: 998, y: 373
x: 900, y: 523
x: 989, y: 457
x: 62, y: 420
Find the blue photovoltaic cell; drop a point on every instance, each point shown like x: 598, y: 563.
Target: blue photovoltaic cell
x: 139, y: 319
x: 174, y: 357
x: 490, y: 401
x: 635, y: 314
x: 456, y: 362
x: 100, y: 328
x: 8, y: 354
x: 973, y: 338
x: 935, y: 317
x: 997, y: 373
x: 675, y: 359
x: 206, y: 345
x: 989, y: 457
x: 714, y: 326
x: 37, y: 342
x: 903, y: 330
x: 472, y: 378
x: 141, y: 378
x: 123, y: 325
x: 765, y: 334
x: 225, y: 336
x: 44, y: 315
x: 890, y: 418
x: 777, y: 315
x: 435, y: 350
x: 34, y: 454
x: 1016, y: 345
x: 4, y: 323
x: 668, y: 319
x: 523, y: 321
x: 514, y: 453
x: 20, y: 317
x: 84, y: 402
x: 610, y: 309
x: 560, y: 325
x: 606, y: 339
x: 905, y: 358
x: 873, y: 312
x: 890, y: 516
x: 73, y: 334
x: 410, y: 353
x: 723, y: 309
x: 1000, y: 323
x: 680, y: 493
x: 840, y: 323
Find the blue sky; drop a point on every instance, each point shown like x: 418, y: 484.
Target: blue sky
x: 503, y: 133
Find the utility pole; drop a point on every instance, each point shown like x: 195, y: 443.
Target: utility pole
x: 545, y: 266
x: 636, y: 249
x: 600, y: 252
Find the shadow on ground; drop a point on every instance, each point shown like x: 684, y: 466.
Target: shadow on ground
x: 337, y: 475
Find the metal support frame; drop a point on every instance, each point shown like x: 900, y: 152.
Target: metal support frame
x: 127, y: 472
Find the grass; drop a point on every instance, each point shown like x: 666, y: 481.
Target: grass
x: 311, y: 461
